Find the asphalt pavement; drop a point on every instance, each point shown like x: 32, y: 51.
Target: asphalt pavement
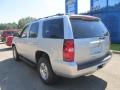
x: 20, y: 76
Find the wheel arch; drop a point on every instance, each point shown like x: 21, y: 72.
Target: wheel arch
x: 13, y: 45
x: 39, y: 54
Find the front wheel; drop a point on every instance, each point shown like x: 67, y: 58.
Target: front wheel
x: 45, y: 70
x: 15, y: 54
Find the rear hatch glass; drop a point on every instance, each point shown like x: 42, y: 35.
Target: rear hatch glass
x: 88, y: 28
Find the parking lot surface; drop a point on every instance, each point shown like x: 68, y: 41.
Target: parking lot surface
x: 20, y: 76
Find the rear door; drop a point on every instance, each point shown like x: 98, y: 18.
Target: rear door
x: 53, y: 38
x: 91, y: 39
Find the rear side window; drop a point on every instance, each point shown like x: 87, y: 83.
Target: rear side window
x: 88, y: 29
x: 53, y: 29
x: 33, y: 33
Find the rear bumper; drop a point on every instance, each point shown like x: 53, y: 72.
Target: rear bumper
x: 72, y: 70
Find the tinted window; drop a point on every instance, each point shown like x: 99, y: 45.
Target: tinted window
x: 88, y: 29
x: 15, y: 34
x: 12, y: 33
x: 53, y: 29
x: 33, y: 33
x: 7, y: 32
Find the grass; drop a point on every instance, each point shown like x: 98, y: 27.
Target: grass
x: 115, y: 47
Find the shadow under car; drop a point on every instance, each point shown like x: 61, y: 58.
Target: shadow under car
x: 20, y: 76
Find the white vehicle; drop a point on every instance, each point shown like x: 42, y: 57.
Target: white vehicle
x: 64, y: 45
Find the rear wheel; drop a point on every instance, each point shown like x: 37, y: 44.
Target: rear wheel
x: 45, y: 70
x: 15, y: 54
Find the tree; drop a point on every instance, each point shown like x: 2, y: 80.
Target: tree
x: 23, y: 21
x: 2, y: 26
x: 11, y: 26
x: 8, y: 26
x: 20, y: 25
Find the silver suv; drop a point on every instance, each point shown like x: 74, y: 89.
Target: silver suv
x: 64, y: 45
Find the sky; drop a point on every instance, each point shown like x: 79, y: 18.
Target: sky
x: 13, y: 10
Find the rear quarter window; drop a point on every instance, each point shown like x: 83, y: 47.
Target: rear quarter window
x: 53, y: 29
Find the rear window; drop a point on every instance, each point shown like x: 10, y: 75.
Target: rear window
x: 88, y: 29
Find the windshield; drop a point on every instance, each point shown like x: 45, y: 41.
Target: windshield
x: 88, y: 29
x: 14, y: 33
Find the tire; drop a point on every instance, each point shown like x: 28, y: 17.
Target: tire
x: 15, y: 54
x: 45, y: 71
x: 1, y: 40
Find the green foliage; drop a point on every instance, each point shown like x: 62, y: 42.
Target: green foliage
x: 20, y: 25
x: 115, y: 47
x: 23, y: 21
x: 2, y: 26
x: 8, y: 26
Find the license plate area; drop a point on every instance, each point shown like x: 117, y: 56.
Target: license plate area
x: 95, y: 50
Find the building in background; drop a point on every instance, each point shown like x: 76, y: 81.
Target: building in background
x: 71, y: 6
x: 109, y: 12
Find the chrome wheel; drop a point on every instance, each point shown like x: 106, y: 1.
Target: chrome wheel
x: 44, y: 71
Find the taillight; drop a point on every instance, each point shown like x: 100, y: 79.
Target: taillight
x: 68, y: 50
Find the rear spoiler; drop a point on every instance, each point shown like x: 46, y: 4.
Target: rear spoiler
x: 85, y: 18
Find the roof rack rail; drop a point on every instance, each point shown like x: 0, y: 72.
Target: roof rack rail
x: 59, y: 14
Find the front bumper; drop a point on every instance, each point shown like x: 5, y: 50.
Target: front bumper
x: 72, y: 70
